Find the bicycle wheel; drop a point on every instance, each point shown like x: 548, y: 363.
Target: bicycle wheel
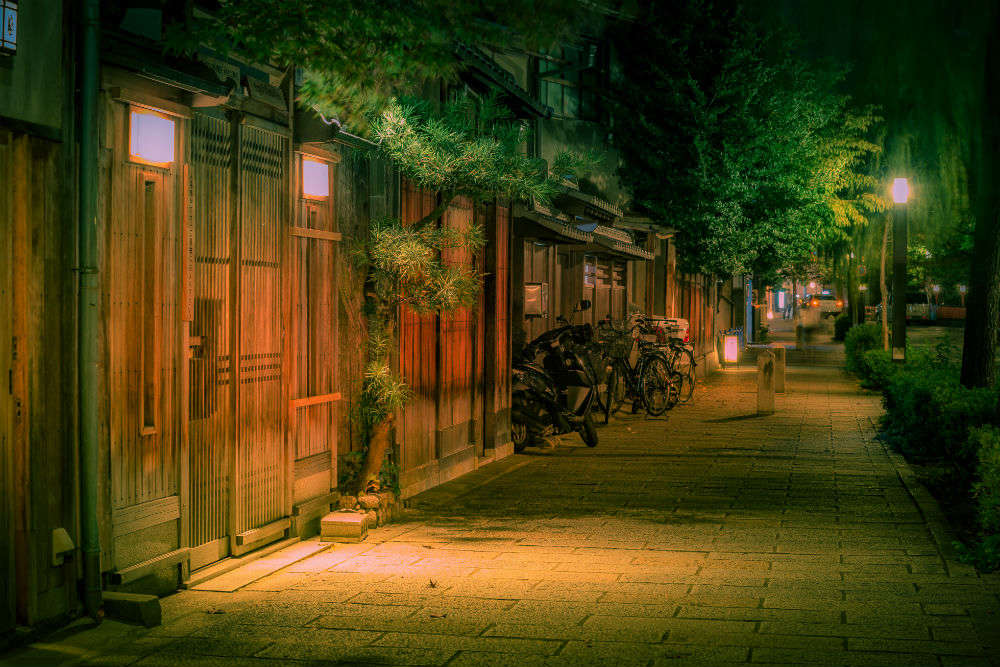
x: 654, y: 384
x: 617, y: 380
x: 684, y: 364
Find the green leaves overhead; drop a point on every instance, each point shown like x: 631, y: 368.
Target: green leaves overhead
x: 471, y: 148
x: 357, y: 55
x: 733, y: 139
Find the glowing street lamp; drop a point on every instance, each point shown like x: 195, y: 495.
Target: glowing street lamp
x: 961, y: 294
x: 900, y: 190
x: 900, y: 195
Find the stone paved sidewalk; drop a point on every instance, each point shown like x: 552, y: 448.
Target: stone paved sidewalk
x: 713, y: 537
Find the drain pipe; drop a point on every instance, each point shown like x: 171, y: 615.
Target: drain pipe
x: 88, y: 313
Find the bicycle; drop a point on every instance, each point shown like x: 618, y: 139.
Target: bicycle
x: 680, y: 356
x: 650, y: 383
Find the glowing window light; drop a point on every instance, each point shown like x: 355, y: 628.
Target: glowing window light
x: 781, y: 300
x: 151, y: 137
x: 315, y: 179
x: 731, y: 348
x: 900, y: 190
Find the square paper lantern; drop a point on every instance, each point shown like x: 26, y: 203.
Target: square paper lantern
x: 315, y: 179
x: 151, y: 137
x: 731, y: 348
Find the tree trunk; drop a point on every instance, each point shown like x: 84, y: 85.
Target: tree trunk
x: 795, y: 298
x: 983, y: 300
x: 883, y: 286
x: 378, y: 443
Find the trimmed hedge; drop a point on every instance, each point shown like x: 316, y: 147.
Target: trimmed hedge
x: 985, y: 553
x: 841, y: 326
x: 875, y: 367
x: 858, y: 340
x: 928, y: 414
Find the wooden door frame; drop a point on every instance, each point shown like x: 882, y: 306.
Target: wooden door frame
x: 296, y: 233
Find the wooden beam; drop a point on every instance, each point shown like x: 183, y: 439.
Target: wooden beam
x: 315, y: 400
x: 255, y: 535
x: 305, y: 232
x: 140, y: 570
x: 152, y: 513
x: 149, y: 102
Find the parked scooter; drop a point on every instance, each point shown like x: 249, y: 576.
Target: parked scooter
x: 556, y: 394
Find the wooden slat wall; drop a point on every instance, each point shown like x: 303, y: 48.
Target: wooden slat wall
x: 315, y: 345
x: 260, y: 460
x: 458, y: 375
x: 8, y: 597
x: 143, y: 460
x: 418, y: 363
x: 210, y: 399
x: 37, y: 363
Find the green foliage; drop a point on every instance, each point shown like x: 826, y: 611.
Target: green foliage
x: 841, y: 326
x: 986, y: 442
x: 356, y: 56
x: 382, y: 394
x: 763, y: 156
x: 928, y: 414
x: 858, y: 340
x: 348, y: 468
x: 470, y: 148
x: 876, y: 368
x: 984, y: 552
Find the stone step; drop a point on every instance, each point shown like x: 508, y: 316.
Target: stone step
x: 344, y: 526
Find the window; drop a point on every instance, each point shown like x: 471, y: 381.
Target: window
x: 567, y: 79
x: 315, y: 179
x: 151, y: 137
x: 150, y: 301
x: 589, y: 271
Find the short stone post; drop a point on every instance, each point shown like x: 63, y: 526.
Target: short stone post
x: 765, y: 382
x: 779, y: 368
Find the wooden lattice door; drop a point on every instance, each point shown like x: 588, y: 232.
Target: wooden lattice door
x: 260, y: 461
x: 211, y: 409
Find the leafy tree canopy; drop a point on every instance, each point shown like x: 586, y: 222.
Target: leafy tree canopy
x: 357, y: 55
x: 729, y: 136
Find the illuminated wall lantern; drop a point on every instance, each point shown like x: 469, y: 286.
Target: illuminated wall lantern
x: 8, y: 36
x: 731, y: 348
x: 315, y: 179
x: 151, y: 137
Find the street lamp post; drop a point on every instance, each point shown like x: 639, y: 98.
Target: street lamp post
x: 900, y: 194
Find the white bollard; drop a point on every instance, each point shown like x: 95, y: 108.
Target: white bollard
x: 765, y: 382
